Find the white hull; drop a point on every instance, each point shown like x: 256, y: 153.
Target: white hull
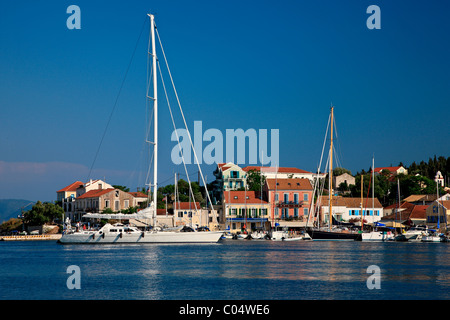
x: 284, y: 236
x: 112, y: 235
x: 431, y: 239
x: 144, y: 237
x: 376, y: 236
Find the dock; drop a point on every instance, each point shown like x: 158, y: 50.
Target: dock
x: 31, y: 237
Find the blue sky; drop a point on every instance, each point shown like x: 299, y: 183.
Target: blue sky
x: 236, y: 64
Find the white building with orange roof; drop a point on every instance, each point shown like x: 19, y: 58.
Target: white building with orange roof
x: 392, y: 170
x: 282, y: 172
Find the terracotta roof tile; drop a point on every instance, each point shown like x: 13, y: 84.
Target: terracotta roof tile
x: 275, y: 169
x: 72, y: 186
x: 95, y: 193
x: 289, y: 184
x: 242, y: 197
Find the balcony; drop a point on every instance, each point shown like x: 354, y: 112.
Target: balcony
x: 290, y: 204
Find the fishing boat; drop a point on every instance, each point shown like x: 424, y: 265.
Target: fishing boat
x: 119, y: 233
x: 336, y: 230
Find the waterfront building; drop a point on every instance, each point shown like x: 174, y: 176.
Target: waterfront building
x: 408, y: 213
x: 289, y: 200
x: 229, y: 176
x: 139, y: 199
x: 421, y: 199
x: 438, y: 211
x: 99, y: 200
x: 245, y: 211
x: 349, y: 209
x: 193, y: 214
x: 66, y: 196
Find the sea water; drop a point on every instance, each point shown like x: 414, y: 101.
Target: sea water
x: 228, y: 270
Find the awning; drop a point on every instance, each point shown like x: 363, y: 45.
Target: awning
x: 394, y: 224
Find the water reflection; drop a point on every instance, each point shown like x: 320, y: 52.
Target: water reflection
x: 228, y: 270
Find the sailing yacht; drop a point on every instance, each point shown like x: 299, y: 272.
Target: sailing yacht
x: 339, y: 231
x: 119, y: 233
x: 374, y: 235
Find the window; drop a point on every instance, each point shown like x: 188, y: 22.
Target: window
x: 276, y: 197
x: 305, y: 197
x: 286, y: 197
x: 296, y: 212
x: 117, y: 205
x: 180, y: 214
x: 296, y: 198
x: 126, y: 204
x: 305, y: 212
x: 106, y: 203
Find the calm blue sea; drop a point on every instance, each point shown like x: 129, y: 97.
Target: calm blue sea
x: 228, y: 270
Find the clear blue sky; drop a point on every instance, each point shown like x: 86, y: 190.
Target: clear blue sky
x: 236, y: 64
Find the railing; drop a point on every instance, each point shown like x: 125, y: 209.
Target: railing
x: 289, y: 204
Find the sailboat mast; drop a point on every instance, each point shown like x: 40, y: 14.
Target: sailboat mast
x: 331, y: 173
x: 373, y: 189
x: 155, y: 115
x: 362, y: 210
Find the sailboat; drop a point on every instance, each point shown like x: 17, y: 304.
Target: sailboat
x: 434, y: 236
x: 339, y: 231
x: 374, y: 235
x: 119, y: 233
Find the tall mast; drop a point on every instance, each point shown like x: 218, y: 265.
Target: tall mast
x: 373, y: 188
x: 362, y: 210
x: 155, y: 115
x: 331, y: 173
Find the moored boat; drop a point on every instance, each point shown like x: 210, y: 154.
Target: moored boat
x: 120, y: 233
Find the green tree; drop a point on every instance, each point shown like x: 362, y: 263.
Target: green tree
x: 123, y: 188
x: 255, y: 180
x: 42, y: 213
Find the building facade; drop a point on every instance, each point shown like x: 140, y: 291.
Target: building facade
x: 229, y: 176
x: 289, y: 199
x: 438, y: 215
x: 350, y: 209
x: 245, y: 211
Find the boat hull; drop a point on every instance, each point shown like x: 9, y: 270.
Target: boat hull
x: 143, y: 237
x: 431, y: 239
x: 330, y: 235
x: 375, y: 236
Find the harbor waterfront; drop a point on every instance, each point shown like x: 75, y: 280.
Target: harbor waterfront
x: 228, y: 270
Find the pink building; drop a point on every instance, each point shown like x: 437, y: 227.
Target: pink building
x: 289, y: 198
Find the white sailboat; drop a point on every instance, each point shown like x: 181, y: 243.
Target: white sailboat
x: 374, y: 235
x: 434, y: 236
x: 119, y: 233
